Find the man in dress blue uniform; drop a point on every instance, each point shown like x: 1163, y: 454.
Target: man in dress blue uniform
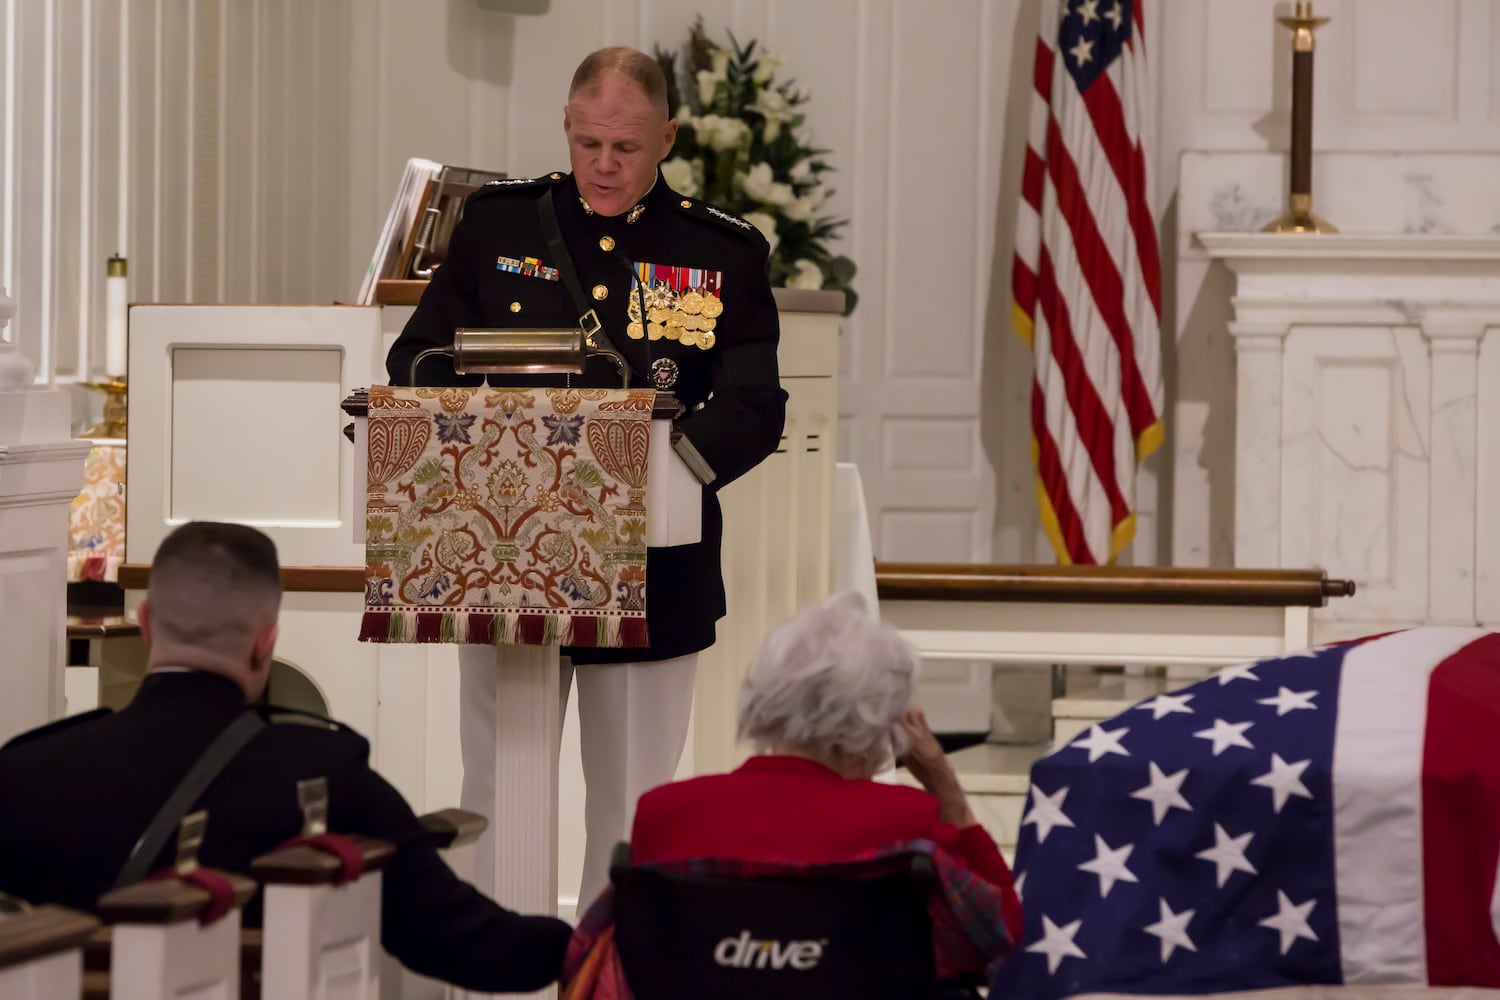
x: 77, y: 796
x: 707, y: 330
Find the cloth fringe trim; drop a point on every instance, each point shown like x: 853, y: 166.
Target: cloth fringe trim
x: 505, y: 628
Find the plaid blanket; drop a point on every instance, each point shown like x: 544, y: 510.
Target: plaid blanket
x: 968, y: 926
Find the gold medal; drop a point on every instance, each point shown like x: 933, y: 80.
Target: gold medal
x: 658, y: 315
x: 689, y: 338
x: 674, y: 329
x: 656, y: 331
x: 692, y: 303
x: 634, y: 331
x: 692, y: 322
x: 712, y: 307
x: 706, y: 339
x: 708, y: 324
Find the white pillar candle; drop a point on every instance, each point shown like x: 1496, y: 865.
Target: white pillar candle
x: 114, y: 317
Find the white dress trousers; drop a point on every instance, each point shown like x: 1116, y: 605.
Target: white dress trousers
x: 633, y: 722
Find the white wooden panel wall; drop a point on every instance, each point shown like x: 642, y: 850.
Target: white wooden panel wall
x: 916, y: 114
x: 197, y: 137
x: 1391, y: 77
x: 261, y: 140
x: 62, y: 69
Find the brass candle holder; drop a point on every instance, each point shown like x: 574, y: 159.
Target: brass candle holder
x: 115, y: 392
x: 1299, y: 217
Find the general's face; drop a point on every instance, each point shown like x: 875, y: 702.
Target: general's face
x: 616, y: 138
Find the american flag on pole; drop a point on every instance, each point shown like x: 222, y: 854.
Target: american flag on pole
x: 1086, y: 276
x: 1331, y: 817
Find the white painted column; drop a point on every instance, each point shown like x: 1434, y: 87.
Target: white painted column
x: 1259, y: 351
x: 515, y: 861
x: 41, y: 471
x: 511, y: 743
x: 1454, y: 348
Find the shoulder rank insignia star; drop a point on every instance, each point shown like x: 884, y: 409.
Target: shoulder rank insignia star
x: 733, y: 220
x: 508, y: 183
x: 716, y: 215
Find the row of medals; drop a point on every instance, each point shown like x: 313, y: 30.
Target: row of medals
x: 689, y: 317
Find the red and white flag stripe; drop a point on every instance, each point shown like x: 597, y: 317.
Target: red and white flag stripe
x: 1416, y: 812
x: 1087, y: 287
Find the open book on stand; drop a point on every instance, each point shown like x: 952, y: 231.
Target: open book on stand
x: 414, y: 241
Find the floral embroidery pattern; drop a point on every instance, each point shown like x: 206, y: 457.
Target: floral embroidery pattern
x: 507, y: 516
x: 96, y: 521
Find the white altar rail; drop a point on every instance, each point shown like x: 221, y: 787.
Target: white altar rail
x: 1045, y: 615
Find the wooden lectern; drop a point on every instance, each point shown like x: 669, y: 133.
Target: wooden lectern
x: 517, y: 863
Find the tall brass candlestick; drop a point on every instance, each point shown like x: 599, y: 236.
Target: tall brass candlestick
x: 1299, y: 217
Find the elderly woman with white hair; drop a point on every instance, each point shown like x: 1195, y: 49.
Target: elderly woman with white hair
x: 827, y: 704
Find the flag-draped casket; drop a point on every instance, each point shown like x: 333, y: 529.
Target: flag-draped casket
x: 1331, y: 816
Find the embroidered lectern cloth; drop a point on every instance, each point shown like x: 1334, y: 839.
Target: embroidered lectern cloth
x: 513, y: 516
x: 96, y: 521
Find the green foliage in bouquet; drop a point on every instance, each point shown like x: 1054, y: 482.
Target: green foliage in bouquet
x: 739, y: 147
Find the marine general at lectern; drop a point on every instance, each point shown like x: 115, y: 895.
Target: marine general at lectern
x: 681, y: 289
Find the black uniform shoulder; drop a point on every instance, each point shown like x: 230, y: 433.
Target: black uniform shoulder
x: 724, y: 222
x: 311, y: 733
x: 492, y: 191
x: 53, y: 728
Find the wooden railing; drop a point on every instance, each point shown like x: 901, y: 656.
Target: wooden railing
x: 976, y: 582
x: 1107, y: 585
x: 294, y: 579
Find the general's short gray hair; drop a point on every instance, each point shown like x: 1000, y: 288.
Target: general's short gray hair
x: 831, y: 681
x: 633, y: 63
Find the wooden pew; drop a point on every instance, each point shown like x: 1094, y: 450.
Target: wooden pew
x: 454, y: 832
x: 321, y: 938
x: 158, y: 947
x: 41, y: 953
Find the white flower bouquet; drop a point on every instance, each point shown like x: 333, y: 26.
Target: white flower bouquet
x: 739, y: 146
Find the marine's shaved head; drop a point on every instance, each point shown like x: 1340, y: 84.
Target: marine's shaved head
x: 212, y: 602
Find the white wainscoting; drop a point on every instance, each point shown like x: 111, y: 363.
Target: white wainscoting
x: 1407, y: 108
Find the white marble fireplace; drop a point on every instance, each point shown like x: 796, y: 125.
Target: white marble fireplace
x: 1367, y: 419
